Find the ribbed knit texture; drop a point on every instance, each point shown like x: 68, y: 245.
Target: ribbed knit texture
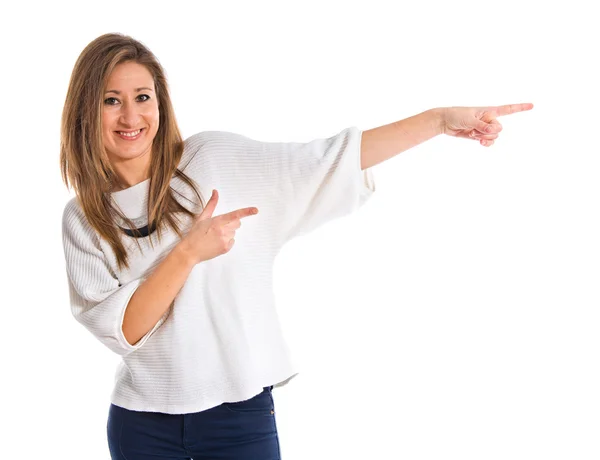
x: 220, y: 340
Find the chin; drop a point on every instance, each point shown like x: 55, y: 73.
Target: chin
x: 128, y: 154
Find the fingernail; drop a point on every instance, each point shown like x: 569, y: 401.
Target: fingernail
x: 489, y: 129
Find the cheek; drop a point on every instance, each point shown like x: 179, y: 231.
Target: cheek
x: 108, y: 121
x: 153, y: 117
x: 105, y: 134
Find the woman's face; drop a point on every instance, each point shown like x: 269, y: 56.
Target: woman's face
x: 129, y: 104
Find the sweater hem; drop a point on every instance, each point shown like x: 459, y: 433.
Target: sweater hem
x: 186, y: 408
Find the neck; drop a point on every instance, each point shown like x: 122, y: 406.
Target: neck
x: 130, y: 172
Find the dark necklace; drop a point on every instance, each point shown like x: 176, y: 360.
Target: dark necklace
x: 143, y: 231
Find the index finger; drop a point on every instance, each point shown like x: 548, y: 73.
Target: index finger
x: 510, y: 108
x: 238, y: 214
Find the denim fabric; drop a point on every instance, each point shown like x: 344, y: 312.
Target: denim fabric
x: 243, y: 430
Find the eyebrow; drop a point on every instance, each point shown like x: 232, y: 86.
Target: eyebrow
x: 119, y: 92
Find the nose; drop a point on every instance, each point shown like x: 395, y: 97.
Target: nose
x: 129, y: 115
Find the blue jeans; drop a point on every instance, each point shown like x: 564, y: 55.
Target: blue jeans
x: 243, y: 430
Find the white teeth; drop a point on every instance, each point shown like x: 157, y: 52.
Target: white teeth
x: 133, y: 134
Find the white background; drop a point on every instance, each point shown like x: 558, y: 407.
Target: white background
x: 454, y: 316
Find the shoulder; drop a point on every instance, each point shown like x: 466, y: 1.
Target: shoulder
x: 71, y: 212
x: 75, y: 223
x: 214, y: 139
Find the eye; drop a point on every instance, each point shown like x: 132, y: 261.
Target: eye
x: 114, y: 98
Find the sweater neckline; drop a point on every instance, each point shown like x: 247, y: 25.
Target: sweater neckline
x: 133, y: 200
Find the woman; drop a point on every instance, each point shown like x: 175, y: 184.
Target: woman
x: 152, y: 272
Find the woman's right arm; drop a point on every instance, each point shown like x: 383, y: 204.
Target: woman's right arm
x: 121, y: 314
x: 209, y: 237
x: 155, y: 295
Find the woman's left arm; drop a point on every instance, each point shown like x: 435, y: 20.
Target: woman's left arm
x: 477, y: 123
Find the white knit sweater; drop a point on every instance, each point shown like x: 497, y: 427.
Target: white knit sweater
x: 220, y: 340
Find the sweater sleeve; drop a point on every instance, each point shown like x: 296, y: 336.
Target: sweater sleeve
x: 310, y: 183
x: 98, y: 300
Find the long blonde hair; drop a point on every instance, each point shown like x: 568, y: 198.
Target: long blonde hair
x: 83, y: 160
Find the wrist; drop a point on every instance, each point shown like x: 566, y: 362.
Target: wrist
x: 182, y: 252
x: 438, y: 119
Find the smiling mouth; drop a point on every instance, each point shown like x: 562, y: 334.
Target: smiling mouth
x: 130, y: 135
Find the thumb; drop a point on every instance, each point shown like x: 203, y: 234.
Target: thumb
x: 482, y: 126
x: 208, y: 210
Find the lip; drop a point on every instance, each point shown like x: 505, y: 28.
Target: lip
x: 130, y: 131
